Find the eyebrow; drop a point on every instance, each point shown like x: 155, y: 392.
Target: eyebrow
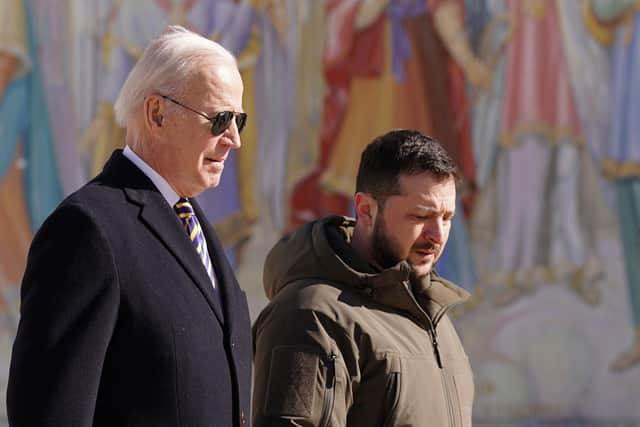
x: 432, y: 209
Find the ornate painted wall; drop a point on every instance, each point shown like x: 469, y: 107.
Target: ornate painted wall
x: 537, y: 100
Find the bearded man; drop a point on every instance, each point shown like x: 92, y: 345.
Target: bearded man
x: 356, y: 332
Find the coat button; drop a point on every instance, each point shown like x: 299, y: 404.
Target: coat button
x: 242, y: 419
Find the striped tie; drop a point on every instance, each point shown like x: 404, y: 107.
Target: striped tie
x: 192, y: 225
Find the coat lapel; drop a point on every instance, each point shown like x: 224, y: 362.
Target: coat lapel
x: 157, y: 215
x: 161, y: 219
x: 224, y: 273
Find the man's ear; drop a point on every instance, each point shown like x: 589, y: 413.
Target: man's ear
x: 153, y: 112
x: 366, y: 208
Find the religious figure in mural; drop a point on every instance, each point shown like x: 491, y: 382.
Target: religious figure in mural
x: 14, y: 64
x: 377, y: 56
x: 617, y: 24
x: 309, y: 92
x: 537, y: 213
x: 29, y: 185
x: 276, y: 86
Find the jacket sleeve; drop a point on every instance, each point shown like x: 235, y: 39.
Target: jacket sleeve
x: 303, y: 369
x: 69, y: 305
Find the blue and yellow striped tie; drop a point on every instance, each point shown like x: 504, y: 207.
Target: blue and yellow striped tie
x: 192, y: 225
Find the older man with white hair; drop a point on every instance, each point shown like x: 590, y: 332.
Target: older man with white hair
x: 130, y: 313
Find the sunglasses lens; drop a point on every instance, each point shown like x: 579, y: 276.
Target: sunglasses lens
x: 241, y: 121
x: 223, y: 119
x: 221, y: 122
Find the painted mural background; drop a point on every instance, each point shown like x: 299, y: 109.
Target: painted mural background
x: 537, y: 100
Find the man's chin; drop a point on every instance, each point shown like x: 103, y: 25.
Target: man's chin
x: 420, y: 271
x: 212, y: 180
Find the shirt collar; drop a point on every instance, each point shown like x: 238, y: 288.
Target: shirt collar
x: 161, y: 184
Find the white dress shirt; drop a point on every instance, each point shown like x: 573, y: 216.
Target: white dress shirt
x: 161, y: 184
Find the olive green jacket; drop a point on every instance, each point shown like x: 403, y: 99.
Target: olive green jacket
x: 340, y: 344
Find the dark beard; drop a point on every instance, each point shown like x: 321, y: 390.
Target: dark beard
x: 385, y: 252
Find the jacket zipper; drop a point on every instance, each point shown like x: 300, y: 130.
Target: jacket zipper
x: 392, y: 397
x: 436, y: 350
x: 330, y: 391
x: 430, y: 324
x: 434, y: 341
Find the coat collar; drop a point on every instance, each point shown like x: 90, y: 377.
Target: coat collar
x: 392, y: 287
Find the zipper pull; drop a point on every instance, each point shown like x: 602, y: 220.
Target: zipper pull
x: 332, y: 370
x: 436, y: 351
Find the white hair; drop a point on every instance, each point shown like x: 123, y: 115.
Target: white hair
x: 166, y: 66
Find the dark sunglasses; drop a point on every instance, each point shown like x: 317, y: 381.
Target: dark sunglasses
x: 221, y: 121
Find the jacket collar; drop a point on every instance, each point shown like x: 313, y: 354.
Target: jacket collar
x: 392, y: 286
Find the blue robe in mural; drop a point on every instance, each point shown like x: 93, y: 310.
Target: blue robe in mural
x: 622, y: 161
x: 24, y: 117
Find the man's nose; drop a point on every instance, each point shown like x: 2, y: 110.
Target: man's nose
x: 233, y: 134
x: 434, y: 231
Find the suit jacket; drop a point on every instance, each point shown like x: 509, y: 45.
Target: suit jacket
x: 119, y: 323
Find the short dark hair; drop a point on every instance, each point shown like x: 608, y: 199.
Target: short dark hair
x: 400, y: 152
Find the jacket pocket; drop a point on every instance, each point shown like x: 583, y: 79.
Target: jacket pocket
x: 329, y: 391
x: 391, y: 398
